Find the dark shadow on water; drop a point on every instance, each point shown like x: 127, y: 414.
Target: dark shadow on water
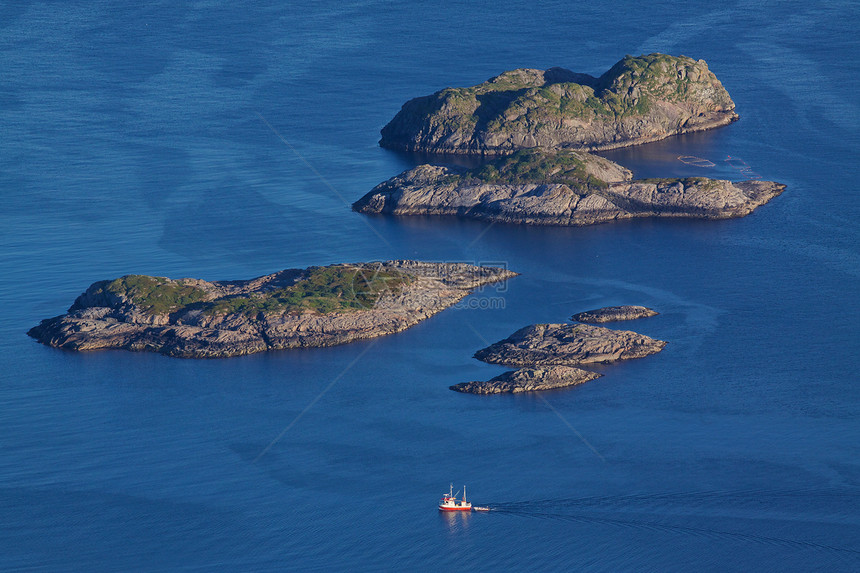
x: 414, y: 158
x: 657, y: 159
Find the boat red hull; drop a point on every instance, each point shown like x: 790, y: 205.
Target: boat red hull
x: 449, y: 501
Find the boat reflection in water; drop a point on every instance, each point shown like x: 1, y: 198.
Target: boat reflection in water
x: 456, y: 522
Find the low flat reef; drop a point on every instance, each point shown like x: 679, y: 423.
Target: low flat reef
x: 566, y: 188
x: 293, y: 308
x: 613, y: 314
x: 541, y: 345
x: 638, y: 100
x: 529, y: 380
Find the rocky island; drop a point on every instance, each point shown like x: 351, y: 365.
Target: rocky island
x: 565, y: 187
x: 614, y: 313
x: 318, y: 306
x: 529, y: 380
x: 638, y: 100
x: 568, y: 345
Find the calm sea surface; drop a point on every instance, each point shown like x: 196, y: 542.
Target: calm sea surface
x: 221, y: 141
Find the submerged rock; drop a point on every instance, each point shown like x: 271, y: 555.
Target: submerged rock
x: 614, y: 313
x: 529, y: 380
x: 568, y: 345
x: 318, y: 306
x: 640, y: 99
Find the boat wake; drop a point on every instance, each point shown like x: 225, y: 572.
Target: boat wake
x: 667, y: 512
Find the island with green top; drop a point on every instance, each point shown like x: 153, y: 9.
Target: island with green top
x: 317, y: 306
x: 638, y: 100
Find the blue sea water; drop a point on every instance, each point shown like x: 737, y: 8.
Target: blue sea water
x: 222, y: 140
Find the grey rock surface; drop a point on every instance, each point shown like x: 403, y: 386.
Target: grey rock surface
x: 435, y: 190
x: 568, y: 345
x: 529, y: 380
x: 614, y: 313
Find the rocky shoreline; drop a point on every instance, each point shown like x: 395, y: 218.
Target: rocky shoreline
x: 319, y: 306
x: 639, y: 100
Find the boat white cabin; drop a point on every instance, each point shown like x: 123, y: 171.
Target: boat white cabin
x: 450, y: 502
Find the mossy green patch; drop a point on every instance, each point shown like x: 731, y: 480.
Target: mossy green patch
x: 336, y: 288
x: 155, y: 295
x: 322, y: 289
x: 537, y: 166
x: 703, y: 183
x: 659, y: 76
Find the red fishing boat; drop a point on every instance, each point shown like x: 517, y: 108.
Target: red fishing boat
x: 450, y: 502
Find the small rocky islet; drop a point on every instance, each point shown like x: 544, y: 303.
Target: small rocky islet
x: 317, y: 306
x: 614, y: 314
x: 548, y: 356
x: 568, y: 345
x: 529, y: 380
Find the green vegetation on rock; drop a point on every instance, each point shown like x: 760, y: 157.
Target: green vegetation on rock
x: 535, y: 166
x: 627, y: 89
x: 155, y: 295
x: 337, y: 288
x: 320, y: 289
x: 701, y: 182
x: 660, y: 76
x: 528, y: 108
